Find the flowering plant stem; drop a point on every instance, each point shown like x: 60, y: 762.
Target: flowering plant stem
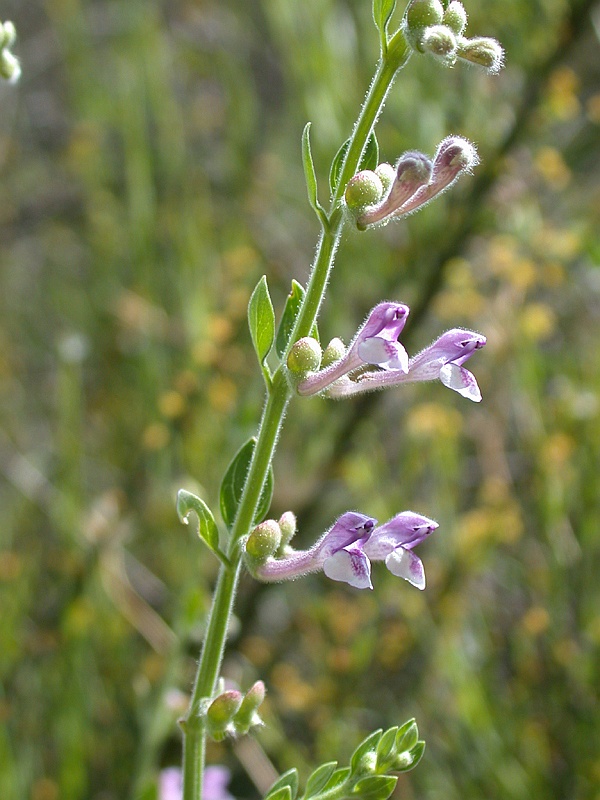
x: 278, y: 396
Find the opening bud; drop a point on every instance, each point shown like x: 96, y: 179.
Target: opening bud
x: 287, y: 526
x: 334, y: 351
x: 264, y: 541
x: 440, y: 42
x: 220, y: 714
x: 364, y: 189
x: 305, y: 356
x: 455, y: 17
x: 483, y: 51
x: 247, y: 716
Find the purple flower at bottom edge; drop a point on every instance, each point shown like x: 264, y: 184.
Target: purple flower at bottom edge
x: 216, y: 778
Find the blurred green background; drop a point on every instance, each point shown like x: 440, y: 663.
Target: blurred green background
x: 150, y: 173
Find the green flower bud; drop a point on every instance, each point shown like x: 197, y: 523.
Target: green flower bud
x: 221, y: 712
x: 387, y: 175
x: 9, y: 66
x: 364, y: 189
x: 440, y: 42
x: 455, y: 17
x: 483, y: 51
x: 333, y: 352
x: 305, y: 356
x: 264, y: 541
x: 420, y: 15
x: 8, y: 34
x: 247, y: 716
x: 287, y: 525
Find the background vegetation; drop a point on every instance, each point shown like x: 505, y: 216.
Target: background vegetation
x: 150, y: 173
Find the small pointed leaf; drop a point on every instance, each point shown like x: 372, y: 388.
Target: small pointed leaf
x: 233, y: 483
x: 382, y: 11
x: 310, y: 176
x: 285, y: 787
x: 407, y: 736
x: 337, y: 778
x: 386, y: 749
x: 288, y: 318
x: 375, y: 787
x: 366, y: 746
x: 261, y: 320
x: 206, y: 528
x: 319, y: 778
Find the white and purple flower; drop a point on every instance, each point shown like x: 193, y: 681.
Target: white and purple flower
x: 375, y: 343
x: 346, y: 550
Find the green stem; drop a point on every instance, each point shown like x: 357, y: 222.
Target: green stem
x: 194, y: 734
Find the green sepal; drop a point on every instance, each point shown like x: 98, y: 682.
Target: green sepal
x: 318, y: 779
x: 261, y: 321
x: 207, y: 527
x: 234, y: 481
x: 310, y: 177
x: 369, y: 160
x: 382, y: 11
x: 368, y: 745
x: 416, y: 754
x: 285, y: 787
x: 375, y: 787
x: 288, y: 318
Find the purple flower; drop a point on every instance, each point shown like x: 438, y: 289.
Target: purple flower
x: 442, y: 360
x: 375, y: 343
x: 417, y: 181
x: 216, y: 778
x: 346, y: 550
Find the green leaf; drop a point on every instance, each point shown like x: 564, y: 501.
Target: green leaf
x: 285, y: 793
x: 233, y: 483
x: 207, y: 528
x: 369, y: 160
x: 261, y: 320
x: 338, y: 777
x: 375, y: 787
x: 382, y: 11
x: 386, y: 749
x: 310, y: 176
x: 288, y: 318
x: 317, y: 779
x: 285, y: 787
x: 368, y: 745
x: 407, y: 736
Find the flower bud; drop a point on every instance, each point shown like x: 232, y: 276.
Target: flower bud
x: 483, y: 51
x: 287, y: 525
x: 421, y: 14
x: 364, y: 189
x: 221, y: 712
x: 387, y: 175
x: 264, y: 541
x: 335, y: 350
x: 455, y: 17
x: 440, y: 42
x: 8, y: 34
x: 9, y: 66
x: 247, y: 716
x: 305, y: 356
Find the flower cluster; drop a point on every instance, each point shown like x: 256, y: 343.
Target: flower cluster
x: 345, y: 552
x: 10, y: 69
x: 431, y: 28
x: 375, y: 345
x: 415, y: 181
